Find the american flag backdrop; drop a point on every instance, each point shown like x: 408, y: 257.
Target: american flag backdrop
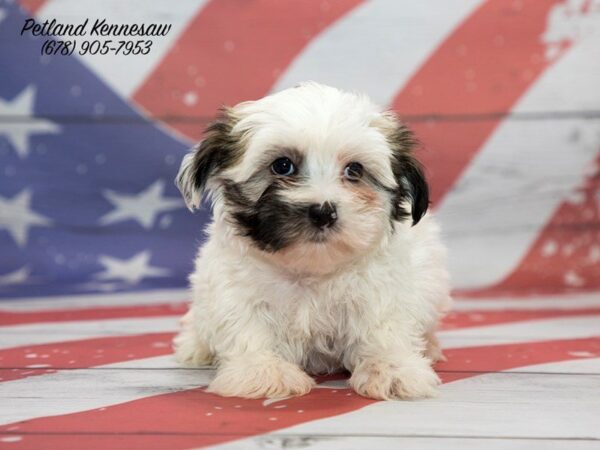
x: 96, y: 242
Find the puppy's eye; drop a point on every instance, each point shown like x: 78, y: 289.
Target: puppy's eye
x: 283, y: 166
x: 353, y: 171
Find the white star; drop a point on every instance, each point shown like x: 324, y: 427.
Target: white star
x: 17, y: 216
x: 18, y: 133
x: 143, y: 207
x: 18, y: 276
x: 131, y: 270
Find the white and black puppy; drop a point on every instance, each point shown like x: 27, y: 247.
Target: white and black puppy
x: 320, y: 256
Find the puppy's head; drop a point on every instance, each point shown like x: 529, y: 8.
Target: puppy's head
x: 312, y: 177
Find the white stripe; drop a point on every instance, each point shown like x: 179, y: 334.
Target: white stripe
x: 70, y: 391
x: 515, y: 183
x: 378, y: 46
x: 529, y: 331
x: 349, y: 441
x: 560, y: 302
x: 46, y: 333
x: 28, y: 304
x: 536, y: 330
x: 588, y: 363
x: 125, y: 73
x: 493, y: 405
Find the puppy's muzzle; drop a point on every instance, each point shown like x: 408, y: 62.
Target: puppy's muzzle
x: 322, y: 216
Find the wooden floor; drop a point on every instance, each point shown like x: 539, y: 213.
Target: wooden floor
x: 527, y: 376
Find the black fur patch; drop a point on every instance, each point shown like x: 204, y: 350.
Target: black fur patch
x: 270, y: 222
x: 217, y: 151
x: 409, y: 175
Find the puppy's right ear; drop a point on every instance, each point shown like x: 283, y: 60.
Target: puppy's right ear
x: 217, y: 151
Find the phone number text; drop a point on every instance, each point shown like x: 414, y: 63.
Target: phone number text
x: 96, y: 47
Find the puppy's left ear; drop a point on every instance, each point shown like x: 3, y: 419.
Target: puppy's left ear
x: 217, y: 151
x: 408, y: 172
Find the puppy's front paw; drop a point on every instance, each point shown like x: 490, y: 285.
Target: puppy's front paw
x: 385, y: 381
x: 191, y: 351
x: 261, y: 377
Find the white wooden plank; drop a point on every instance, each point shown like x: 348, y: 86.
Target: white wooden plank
x: 589, y: 363
x: 382, y: 58
x: 28, y: 304
x: 75, y: 390
x: 525, y: 170
x: 528, y: 331
x: 46, y: 333
x: 536, y: 330
x: 94, y: 300
x: 350, y: 442
x: 530, y: 303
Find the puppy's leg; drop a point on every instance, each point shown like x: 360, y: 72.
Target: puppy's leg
x: 433, y: 350
x: 249, y: 364
x: 190, y: 350
x: 260, y: 375
x: 390, y: 365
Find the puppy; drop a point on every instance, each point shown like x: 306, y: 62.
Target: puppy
x: 320, y: 256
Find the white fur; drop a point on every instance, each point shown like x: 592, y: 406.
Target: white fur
x: 368, y: 299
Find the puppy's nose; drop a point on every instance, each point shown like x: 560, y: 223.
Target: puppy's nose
x: 323, y: 215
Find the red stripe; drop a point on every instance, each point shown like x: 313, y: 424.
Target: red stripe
x: 184, y: 412
x: 64, y: 315
x: 566, y: 255
x: 195, y: 418
x: 21, y: 362
x: 485, y: 66
x: 494, y: 358
x: 33, y: 6
x: 233, y: 51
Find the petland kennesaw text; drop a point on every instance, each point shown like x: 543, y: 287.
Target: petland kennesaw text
x: 98, y: 28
